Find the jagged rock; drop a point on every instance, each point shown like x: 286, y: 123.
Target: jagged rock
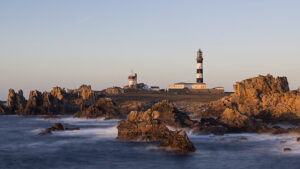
x: 58, y: 93
x: 104, y: 108
x: 34, y: 104
x: 178, y: 141
x: 255, y: 103
x: 85, y: 92
x: 15, y: 102
x: 235, y: 120
x: 146, y: 126
x: 114, y: 91
x: 252, y: 88
x: 171, y: 116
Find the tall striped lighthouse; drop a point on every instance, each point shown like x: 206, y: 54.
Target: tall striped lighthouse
x: 199, y: 67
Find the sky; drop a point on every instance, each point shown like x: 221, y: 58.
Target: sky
x: 66, y: 43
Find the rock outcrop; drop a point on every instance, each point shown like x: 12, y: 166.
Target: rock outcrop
x: 171, y: 116
x: 57, y: 101
x: 15, y: 102
x: 255, y: 103
x: 104, y: 108
x: 34, y: 104
x: 84, y: 92
x: 146, y: 126
x: 56, y: 127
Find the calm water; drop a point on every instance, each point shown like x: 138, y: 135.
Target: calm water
x: 95, y: 147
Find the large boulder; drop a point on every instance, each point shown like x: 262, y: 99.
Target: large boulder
x: 146, y: 126
x: 16, y: 102
x: 104, y: 108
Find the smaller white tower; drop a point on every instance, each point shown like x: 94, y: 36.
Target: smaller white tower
x: 132, y: 79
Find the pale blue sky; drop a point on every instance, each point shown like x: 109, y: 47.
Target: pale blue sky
x: 45, y: 43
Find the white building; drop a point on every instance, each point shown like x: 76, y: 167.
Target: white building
x: 187, y: 86
x: 132, y: 79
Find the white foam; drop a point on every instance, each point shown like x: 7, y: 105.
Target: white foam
x: 94, y: 133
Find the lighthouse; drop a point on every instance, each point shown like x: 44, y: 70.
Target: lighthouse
x: 132, y: 79
x: 199, y: 59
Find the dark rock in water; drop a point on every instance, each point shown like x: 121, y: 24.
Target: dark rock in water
x: 57, y: 127
x: 104, y: 108
x: 146, y: 126
x: 298, y: 139
x: 287, y: 150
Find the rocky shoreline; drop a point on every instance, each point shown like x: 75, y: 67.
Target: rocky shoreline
x: 258, y: 105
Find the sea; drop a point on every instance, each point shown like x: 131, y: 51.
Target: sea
x: 95, y: 147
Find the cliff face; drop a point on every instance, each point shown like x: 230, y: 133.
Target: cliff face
x: 263, y: 98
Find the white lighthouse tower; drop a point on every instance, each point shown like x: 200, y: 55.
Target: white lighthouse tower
x: 132, y: 79
x: 199, y: 75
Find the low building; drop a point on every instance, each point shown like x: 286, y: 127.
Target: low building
x: 178, y: 86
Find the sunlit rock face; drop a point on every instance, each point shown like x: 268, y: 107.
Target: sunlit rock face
x: 146, y: 126
x: 15, y: 102
x: 260, y: 98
